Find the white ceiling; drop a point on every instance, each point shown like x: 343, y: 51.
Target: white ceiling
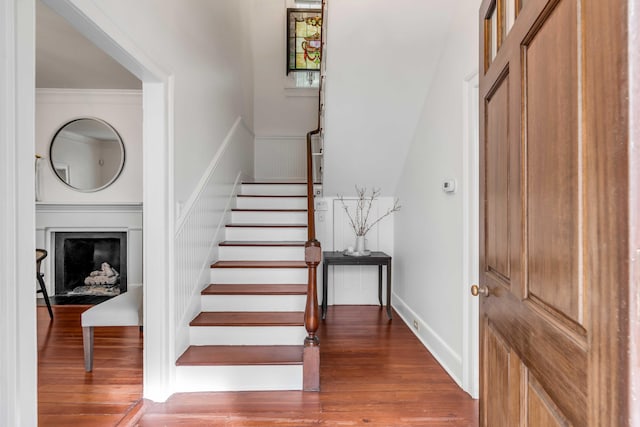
x: 65, y: 59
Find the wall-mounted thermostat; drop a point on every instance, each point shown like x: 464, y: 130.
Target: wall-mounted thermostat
x: 449, y: 186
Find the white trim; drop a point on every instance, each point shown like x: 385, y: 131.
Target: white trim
x: 438, y: 347
x: 185, y: 208
x: 72, y: 207
x: 18, y: 364
x: 75, y: 96
x: 470, y: 236
x: 158, y: 250
x: 87, y: 17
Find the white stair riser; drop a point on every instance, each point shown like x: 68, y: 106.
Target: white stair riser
x: 253, y: 302
x: 247, y: 335
x: 238, y: 378
x: 248, y: 234
x: 271, y: 202
x: 261, y: 253
x: 274, y: 189
x: 259, y: 275
x: 257, y: 217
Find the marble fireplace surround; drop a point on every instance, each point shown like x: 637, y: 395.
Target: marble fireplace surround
x: 53, y: 218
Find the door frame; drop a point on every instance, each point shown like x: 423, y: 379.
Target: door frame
x: 470, y: 235
x: 158, y: 216
x: 17, y: 217
x: 18, y: 361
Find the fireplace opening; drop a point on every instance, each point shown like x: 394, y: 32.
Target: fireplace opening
x: 90, y: 263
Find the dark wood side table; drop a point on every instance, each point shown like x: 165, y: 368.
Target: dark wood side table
x: 339, y: 258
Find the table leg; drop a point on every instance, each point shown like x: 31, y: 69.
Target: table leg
x: 325, y: 274
x: 380, y: 284
x: 388, y: 289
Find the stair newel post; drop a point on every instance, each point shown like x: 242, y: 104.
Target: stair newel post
x: 313, y: 257
x: 311, y: 358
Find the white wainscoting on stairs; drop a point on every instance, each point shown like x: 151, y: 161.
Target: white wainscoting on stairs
x: 200, y: 226
x: 280, y: 158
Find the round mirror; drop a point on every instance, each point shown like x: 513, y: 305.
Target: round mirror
x: 87, y: 154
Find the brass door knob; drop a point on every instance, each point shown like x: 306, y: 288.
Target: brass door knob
x: 479, y: 290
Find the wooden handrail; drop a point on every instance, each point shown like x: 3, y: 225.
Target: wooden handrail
x: 312, y: 256
x: 311, y: 222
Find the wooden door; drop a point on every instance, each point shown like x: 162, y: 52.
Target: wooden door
x: 554, y: 213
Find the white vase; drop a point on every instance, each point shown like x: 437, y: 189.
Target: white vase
x: 360, y: 244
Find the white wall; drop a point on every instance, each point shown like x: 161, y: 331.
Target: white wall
x: 121, y: 109
x: 282, y: 115
x: 278, y: 111
x: 204, y: 47
x: 381, y: 58
x: 428, y: 230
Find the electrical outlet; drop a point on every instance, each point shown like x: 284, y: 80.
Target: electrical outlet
x: 322, y: 205
x: 415, y: 325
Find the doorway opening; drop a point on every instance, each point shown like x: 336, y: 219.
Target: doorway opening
x: 157, y: 172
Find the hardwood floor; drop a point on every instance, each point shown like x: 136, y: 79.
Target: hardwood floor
x: 373, y: 372
x: 69, y: 396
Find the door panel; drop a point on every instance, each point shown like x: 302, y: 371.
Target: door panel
x: 497, y: 182
x: 503, y: 374
x: 554, y: 252
x: 541, y: 411
x: 553, y: 163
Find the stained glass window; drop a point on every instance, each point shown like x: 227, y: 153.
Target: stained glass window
x: 304, y: 39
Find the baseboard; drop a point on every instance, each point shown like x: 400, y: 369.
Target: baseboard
x: 446, y: 357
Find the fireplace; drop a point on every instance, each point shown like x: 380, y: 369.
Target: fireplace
x: 90, y: 263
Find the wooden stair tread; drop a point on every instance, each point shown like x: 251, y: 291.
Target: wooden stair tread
x: 269, y: 195
x: 261, y: 243
x: 248, y: 318
x: 268, y: 210
x: 274, y: 182
x: 259, y: 264
x: 213, y: 355
x: 268, y: 225
x: 263, y: 289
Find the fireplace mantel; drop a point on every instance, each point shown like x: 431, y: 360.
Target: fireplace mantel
x: 87, y: 207
x: 52, y: 217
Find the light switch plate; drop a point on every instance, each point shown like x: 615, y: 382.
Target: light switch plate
x: 449, y: 186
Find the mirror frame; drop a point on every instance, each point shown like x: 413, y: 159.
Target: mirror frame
x: 122, y: 156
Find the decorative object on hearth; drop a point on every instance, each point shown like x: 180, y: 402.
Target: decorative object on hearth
x: 107, y: 275
x: 360, y: 219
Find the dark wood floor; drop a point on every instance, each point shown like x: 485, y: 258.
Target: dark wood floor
x: 69, y: 396
x: 373, y: 372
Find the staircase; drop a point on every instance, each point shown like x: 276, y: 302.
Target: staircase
x: 250, y: 333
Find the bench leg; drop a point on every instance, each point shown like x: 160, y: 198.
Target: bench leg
x: 87, y: 340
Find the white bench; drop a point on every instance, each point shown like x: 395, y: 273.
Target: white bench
x: 123, y: 310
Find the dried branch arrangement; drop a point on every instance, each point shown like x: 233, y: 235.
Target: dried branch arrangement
x: 360, y: 218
